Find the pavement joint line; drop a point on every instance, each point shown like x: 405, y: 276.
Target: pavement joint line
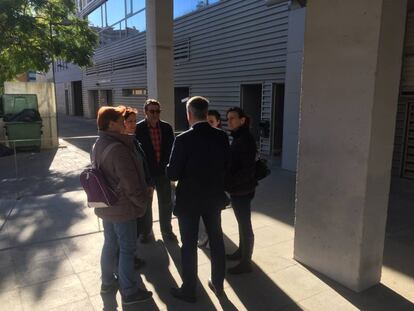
x: 55, y: 239
x: 50, y: 240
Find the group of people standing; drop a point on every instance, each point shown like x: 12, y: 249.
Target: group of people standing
x: 145, y: 156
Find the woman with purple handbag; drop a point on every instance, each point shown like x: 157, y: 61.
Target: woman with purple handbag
x: 124, y: 173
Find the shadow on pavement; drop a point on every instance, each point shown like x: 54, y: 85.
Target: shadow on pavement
x: 255, y: 290
x: 399, y: 241
x: 376, y: 298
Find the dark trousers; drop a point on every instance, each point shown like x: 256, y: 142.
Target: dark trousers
x: 163, y: 188
x: 242, y: 210
x: 189, y: 236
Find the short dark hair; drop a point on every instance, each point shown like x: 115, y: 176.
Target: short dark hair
x: 107, y: 114
x: 128, y: 111
x: 151, y: 101
x: 214, y: 113
x: 198, y: 106
x: 240, y: 112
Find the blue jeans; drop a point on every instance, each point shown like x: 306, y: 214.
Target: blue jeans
x: 122, y: 237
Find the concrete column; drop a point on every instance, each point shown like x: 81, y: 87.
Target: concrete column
x: 160, y: 52
x: 351, y: 73
x: 293, y: 86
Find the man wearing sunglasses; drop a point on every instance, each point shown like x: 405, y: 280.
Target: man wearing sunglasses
x: 157, y: 137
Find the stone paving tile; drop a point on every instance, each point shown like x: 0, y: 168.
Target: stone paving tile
x: 4, y: 238
x: 5, y: 258
x: 82, y: 305
x: 268, y: 236
x: 297, y: 283
x: 84, y: 252
x: 37, y: 252
x: 8, y: 280
x: 47, y: 269
x: 326, y: 301
x: 10, y: 300
x: 91, y: 281
x: 52, y: 294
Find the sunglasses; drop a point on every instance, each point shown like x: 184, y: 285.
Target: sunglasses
x: 154, y: 111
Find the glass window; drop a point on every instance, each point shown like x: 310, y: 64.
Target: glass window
x: 109, y: 35
x: 122, y: 29
x: 182, y: 7
x: 115, y: 10
x: 137, y: 5
x: 128, y: 6
x: 95, y: 18
x: 136, y: 23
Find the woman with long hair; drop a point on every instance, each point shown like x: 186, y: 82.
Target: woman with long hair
x: 241, y: 184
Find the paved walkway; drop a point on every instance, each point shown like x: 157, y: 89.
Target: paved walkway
x: 50, y: 245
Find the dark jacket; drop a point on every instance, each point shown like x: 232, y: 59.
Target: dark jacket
x: 147, y: 173
x: 167, y: 138
x: 240, y: 179
x: 199, y: 160
x: 124, y: 171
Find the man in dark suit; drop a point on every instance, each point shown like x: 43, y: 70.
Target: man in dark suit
x: 156, y: 138
x: 199, y: 160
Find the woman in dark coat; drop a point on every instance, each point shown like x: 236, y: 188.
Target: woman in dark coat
x: 241, y: 184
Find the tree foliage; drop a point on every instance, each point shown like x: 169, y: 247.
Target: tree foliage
x: 35, y: 32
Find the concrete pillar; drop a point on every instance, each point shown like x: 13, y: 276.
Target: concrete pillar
x: 351, y: 73
x: 160, y: 52
x: 293, y: 86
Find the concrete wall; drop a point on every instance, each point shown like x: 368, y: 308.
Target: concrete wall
x: 47, y: 107
x: 351, y: 73
x: 293, y: 87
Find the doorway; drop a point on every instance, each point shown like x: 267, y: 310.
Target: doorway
x: 278, y: 104
x: 180, y: 93
x: 77, y: 98
x: 251, y: 102
x: 67, y: 102
x: 106, y: 97
x: 94, y: 102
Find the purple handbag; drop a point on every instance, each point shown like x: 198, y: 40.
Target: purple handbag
x: 99, y: 193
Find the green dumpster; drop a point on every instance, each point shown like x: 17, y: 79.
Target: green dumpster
x: 15, y: 103
x: 21, y: 134
x: 24, y: 135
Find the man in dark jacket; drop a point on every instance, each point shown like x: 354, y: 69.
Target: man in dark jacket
x: 156, y: 138
x: 199, y: 161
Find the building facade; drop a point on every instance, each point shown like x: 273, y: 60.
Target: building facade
x: 233, y: 52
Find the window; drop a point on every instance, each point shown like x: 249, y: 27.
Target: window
x: 117, y: 19
x: 182, y: 7
x: 137, y: 5
x: 95, y: 18
x: 136, y: 23
x: 134, y: 92
x: 115, y: 11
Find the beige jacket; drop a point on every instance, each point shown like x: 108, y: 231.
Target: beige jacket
x: 124, y: 171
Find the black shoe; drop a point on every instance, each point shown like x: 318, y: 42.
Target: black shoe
x: 110, y: 288
x: 170, y: 236
x: 139, y: 263
x: 235, y: 256
x: 218, y: 291
x: 140, y: 296
x: 241, y: 268
x: 178, y: 293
